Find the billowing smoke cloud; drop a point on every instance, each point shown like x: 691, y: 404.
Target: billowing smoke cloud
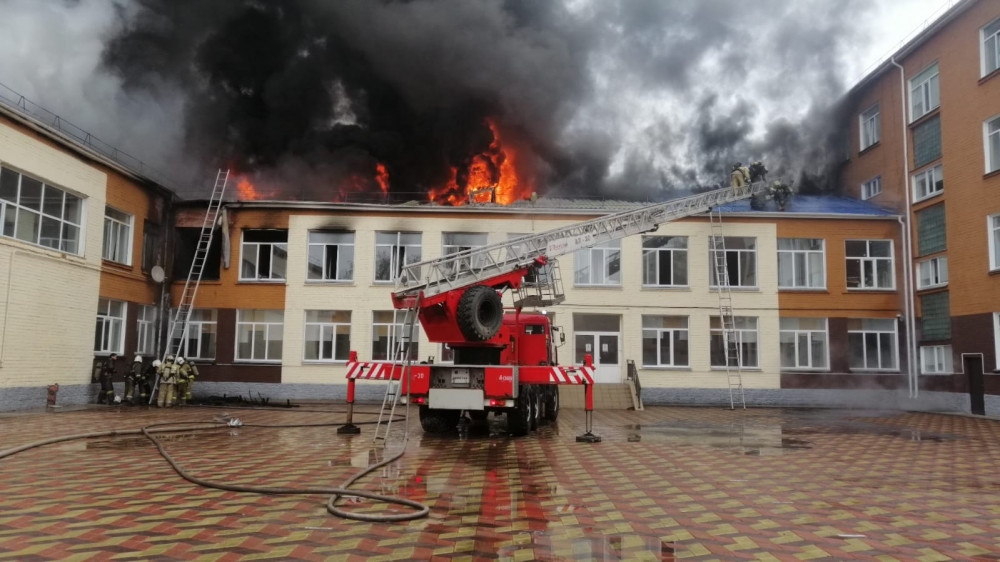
x: 629, y: 98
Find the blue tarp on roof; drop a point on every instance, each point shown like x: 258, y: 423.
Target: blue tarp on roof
x: 814, y: 204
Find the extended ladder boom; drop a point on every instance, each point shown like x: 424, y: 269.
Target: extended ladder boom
x: 476, y: 265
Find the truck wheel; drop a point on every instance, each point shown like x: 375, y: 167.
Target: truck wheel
x: 519, y: 417
x: 536, y: 408
x: 438, y: 421
x: 552, y: 404
x: 479, y: 313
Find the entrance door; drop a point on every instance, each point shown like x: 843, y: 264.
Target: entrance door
x: 977, y: 401
x: 603, y: 346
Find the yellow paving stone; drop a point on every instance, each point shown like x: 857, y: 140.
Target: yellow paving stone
x: 785, y: 537
x: 742, y: 543
x: 931, y: 555
x: 855, y: 545
x: 812, y: 552
x: 934, y: 535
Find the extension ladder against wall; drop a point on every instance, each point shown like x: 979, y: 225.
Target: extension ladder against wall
x: 731, y: 337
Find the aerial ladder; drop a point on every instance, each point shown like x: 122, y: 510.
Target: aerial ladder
x: 437, y: 293
x: 178, y: 333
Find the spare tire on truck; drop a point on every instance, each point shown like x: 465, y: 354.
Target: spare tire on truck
x: 479, y: 313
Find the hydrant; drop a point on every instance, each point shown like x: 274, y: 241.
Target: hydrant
x: 53, y: 390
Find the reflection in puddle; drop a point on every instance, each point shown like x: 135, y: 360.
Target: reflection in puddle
x: 543, y: 546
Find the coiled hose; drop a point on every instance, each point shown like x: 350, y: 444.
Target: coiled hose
x: 421, y: 510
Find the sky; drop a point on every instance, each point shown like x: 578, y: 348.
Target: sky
x: 605, y: 98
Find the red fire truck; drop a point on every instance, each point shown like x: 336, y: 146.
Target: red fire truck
x: 505, y: 360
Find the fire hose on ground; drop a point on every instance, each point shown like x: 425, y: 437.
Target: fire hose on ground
x: 335, y: 493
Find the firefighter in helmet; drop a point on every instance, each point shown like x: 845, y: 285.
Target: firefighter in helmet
x: 149, y: 374
x: 132, y: 378
x: 185, y: 380
x: 106, y: 377
x: 167, y: 383
x: 740, y: 176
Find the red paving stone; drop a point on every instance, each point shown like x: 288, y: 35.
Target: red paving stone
x: 665, y: 484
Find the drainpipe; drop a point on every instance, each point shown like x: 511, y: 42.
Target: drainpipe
x: 910, y: 301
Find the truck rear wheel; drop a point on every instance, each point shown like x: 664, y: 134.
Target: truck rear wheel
x: 438, y: 421
x: 519, y: 417
x: 551, y: 402
x: 479, y: 313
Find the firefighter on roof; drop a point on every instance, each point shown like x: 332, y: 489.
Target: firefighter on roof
x: 740, y: 175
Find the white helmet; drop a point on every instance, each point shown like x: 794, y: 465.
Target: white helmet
x: 138, y: 359
x: 156, y: 362
x: 179, y: 360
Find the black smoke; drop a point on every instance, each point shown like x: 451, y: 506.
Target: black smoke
x: 631, y: 98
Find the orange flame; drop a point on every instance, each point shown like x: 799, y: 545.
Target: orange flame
x: 382, y: 177
x: 246, y: 190
x: 495, y: 168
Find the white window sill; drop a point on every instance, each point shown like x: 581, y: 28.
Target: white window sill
x: 263, y: 281
x: 873, y: 372
x: 929, y: 287
x: 667, y: 287
x: 324, y: 361
x: 926, y: 197
x: 276, y: 362
x: 734, y: 367
x: 802, y: 289
x: 339, y: 282
x: 747, y: 288
x: 665, y: 367
x: 581, y: 286
x: 870, y: 290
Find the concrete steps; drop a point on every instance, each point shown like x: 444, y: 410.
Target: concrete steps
x: 621, y: 396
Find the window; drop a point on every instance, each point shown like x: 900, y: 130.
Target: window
x: 740, y: 260
x: 199, y: 341
x: 991, y: 144
x: 803, y: 343
x: 935, y: 316
x: 990, y: 36
x: 109, y: 337
x: 927, y: 142
x: 599, y: 265
x: 664, y: 261
x: 265, y: 255
x: 801, y: 263
x: 117, y: 236
x: 259, y: 335
x: 924, y: 92
x: 38, y: 213
x: 447, y: 354
x: 870, y: 127
x: 993, y: 228
x: 871, y: 188
x: 872, y: 344
x: 935, y: 360
x: 932, y: 273
x: 932, y: 236
x: 665, y: 341
x: 388, y: 326
x: 744, y: 338
x: 393, y: 250
x: 331, y: 256
x: 869, y: 264
x: 455, y: 242
x: 928, y: 183
x: 146, y: 330
x: 328, y: 335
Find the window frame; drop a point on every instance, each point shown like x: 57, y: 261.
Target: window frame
x: 273, y: 257
x: 449, y: 246
x: 937, y: 275
x: 110, y: 326
x: 941, y: 354
x: 865, y: 118
x: 865, y: 331
x: 871, y: 188
x: 716, y: 338
x: 991, y: 144
x: 200, y: 319
x: 117, y: 243
x: 984, y: 48
x: 145, y: 329
x: 674, y: 335
x: 397, y: 249
x: 870, y: 259
x: 674, y: 255
x: 795, y: 253
x: 993, y: 240
x: 931, y: 177
x: 713, y: 283
x: 926, y: 85
x: 607, y: 253
x: 346, y: 252
x: 323, y: 325
x: 797, y: 333
x: 268, y: 326
x: 11, y: 211
x: 395, y: 328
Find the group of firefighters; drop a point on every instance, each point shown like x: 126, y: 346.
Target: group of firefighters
x: 173, y: 378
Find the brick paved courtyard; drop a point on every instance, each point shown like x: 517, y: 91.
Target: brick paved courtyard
x: 666, y: 483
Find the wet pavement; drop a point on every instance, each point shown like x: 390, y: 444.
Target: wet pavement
x: 665, y: 484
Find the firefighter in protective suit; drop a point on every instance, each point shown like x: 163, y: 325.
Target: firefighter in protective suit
x: 132, y: 379
x: 185, y: 380
x: 105, y: 376
x: 149, y: 374
x: 740, y: 175
x: 167, y: 383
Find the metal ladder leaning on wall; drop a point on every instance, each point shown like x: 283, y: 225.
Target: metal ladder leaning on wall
x: 730, y: 336
x: 402, y: 358
x: 182, y: 314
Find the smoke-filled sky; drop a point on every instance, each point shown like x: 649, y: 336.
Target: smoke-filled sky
x: 627, y: 98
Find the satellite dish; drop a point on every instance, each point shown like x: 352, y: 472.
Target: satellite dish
x: 157, y: 274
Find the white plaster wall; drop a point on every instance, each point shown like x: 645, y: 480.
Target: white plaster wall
x: 48, y: 299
